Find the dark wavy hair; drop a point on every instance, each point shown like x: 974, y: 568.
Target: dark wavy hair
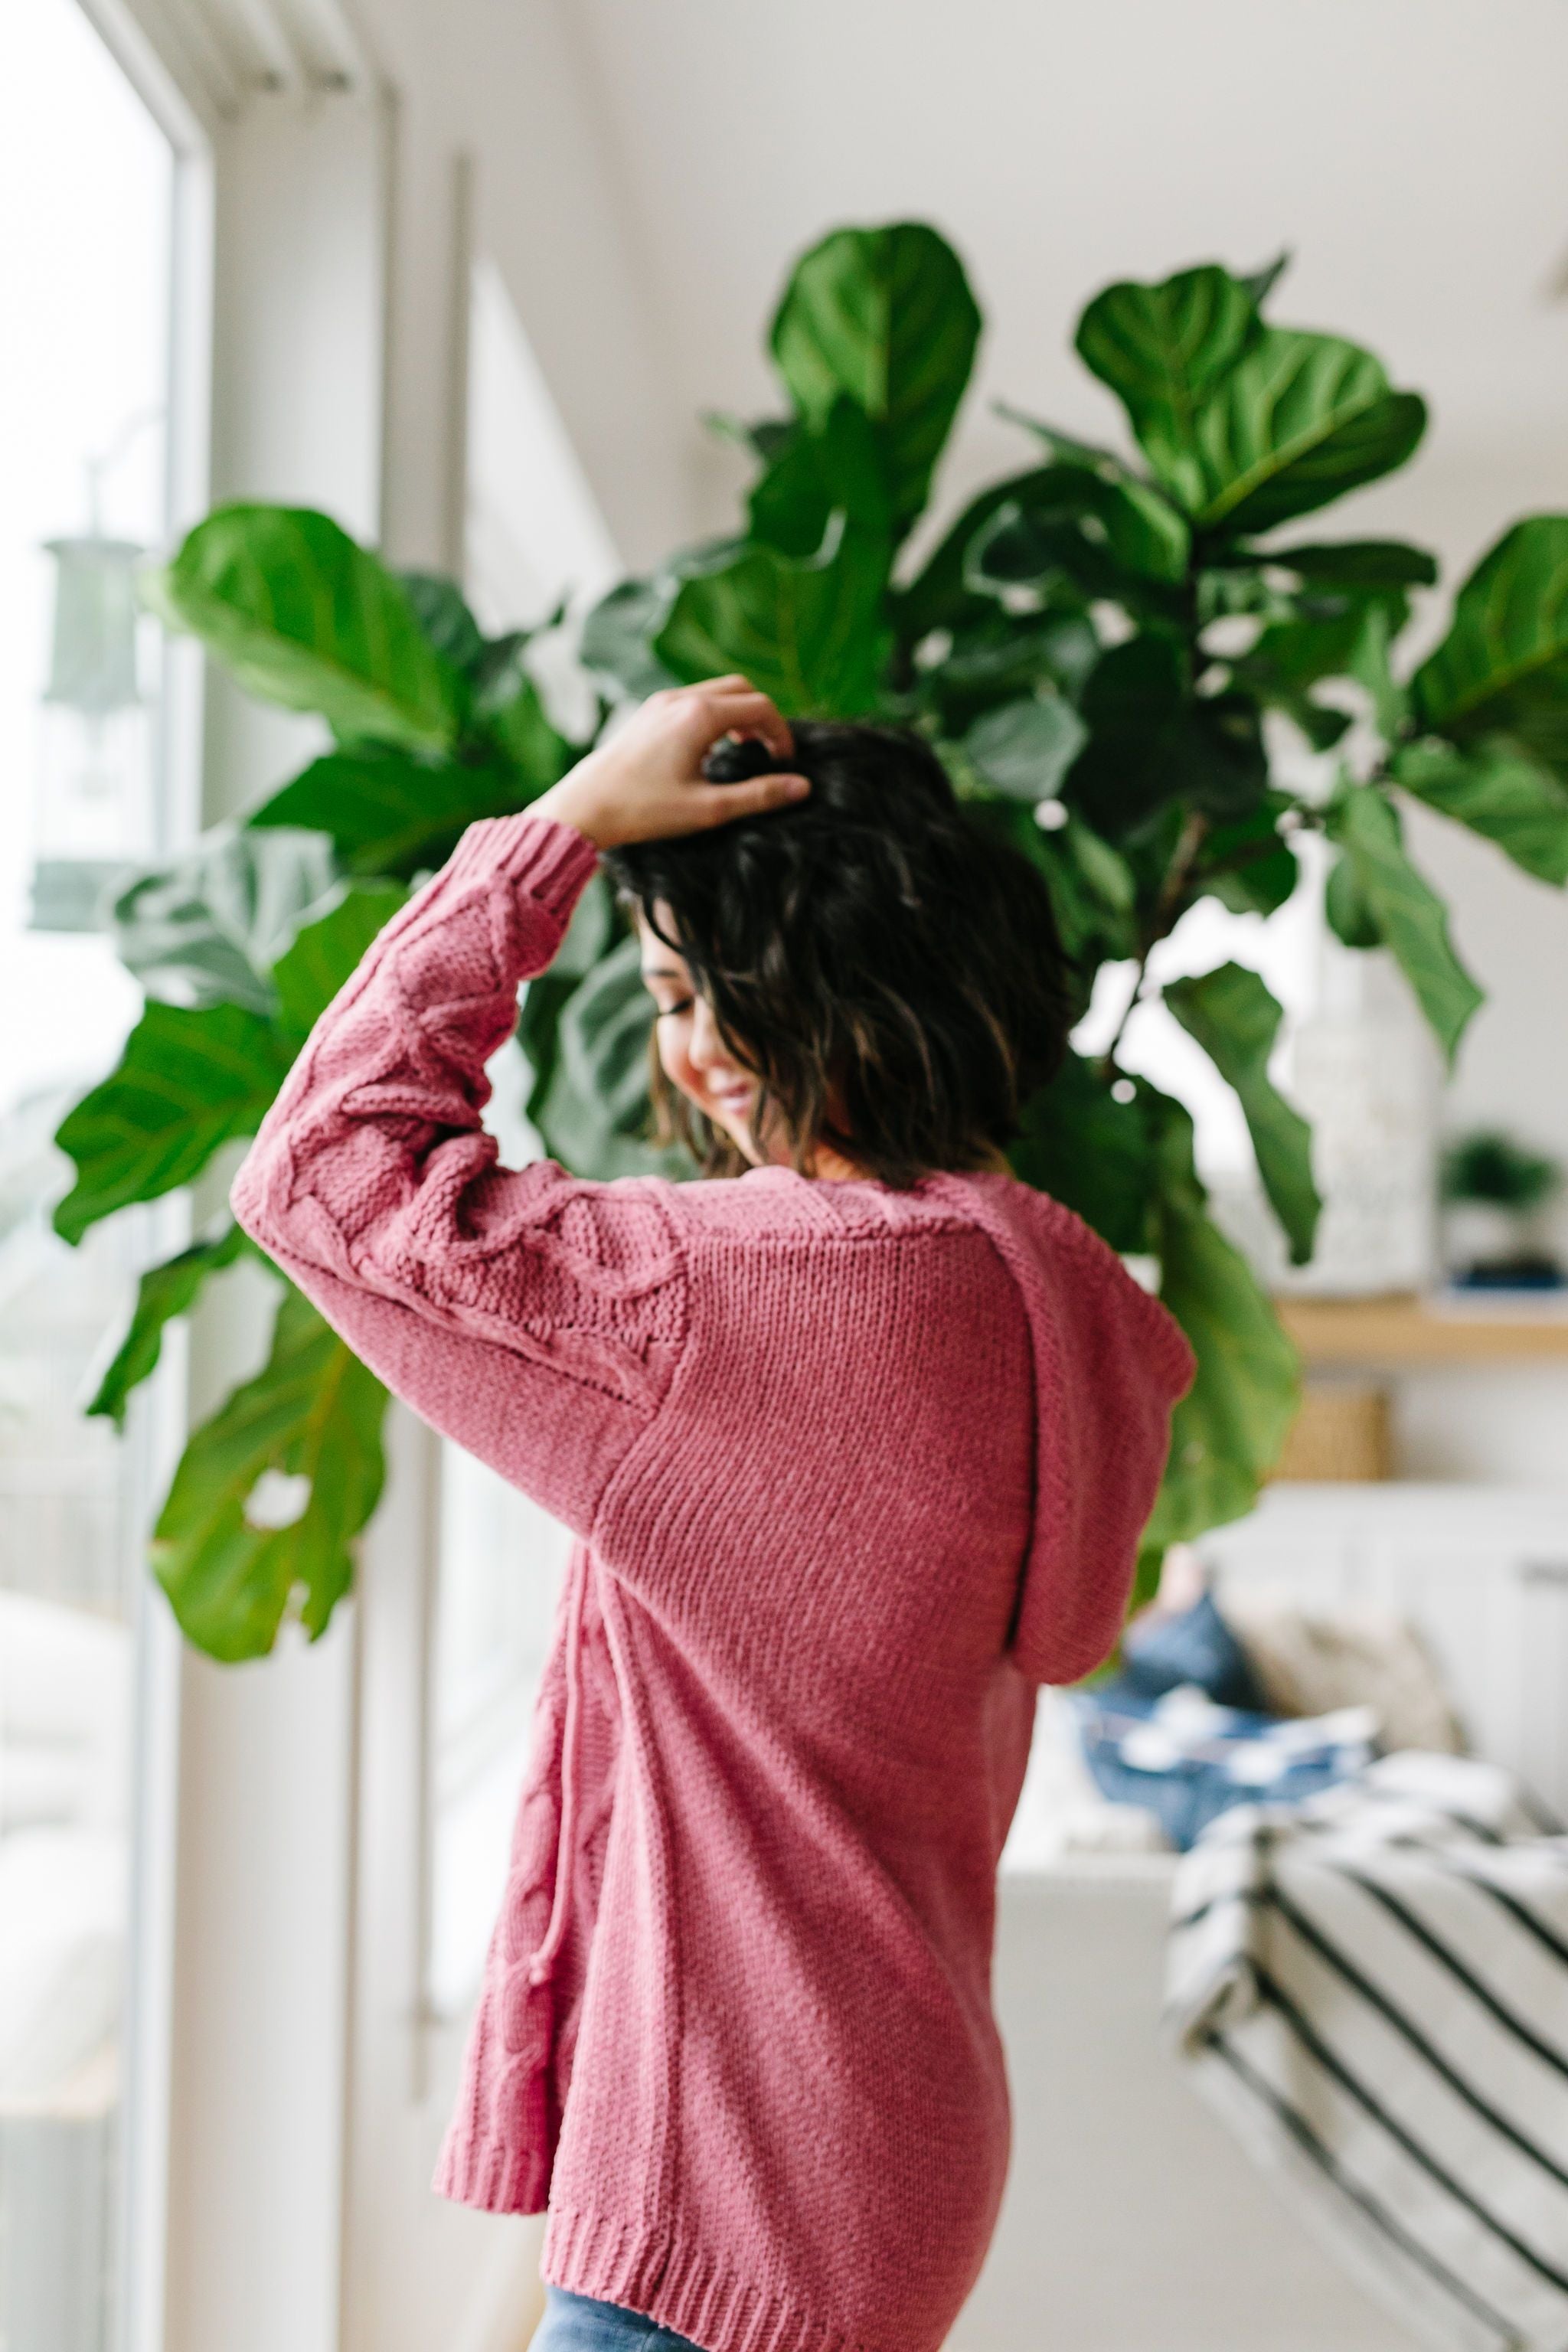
x: 890, y: 970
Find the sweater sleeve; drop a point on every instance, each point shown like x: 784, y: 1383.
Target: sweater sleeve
x: 535, y: 1318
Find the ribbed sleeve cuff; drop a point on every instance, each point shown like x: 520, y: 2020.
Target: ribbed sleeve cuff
x: 550, y: 860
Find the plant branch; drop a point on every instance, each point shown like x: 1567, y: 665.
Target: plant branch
x: 1168, y: 907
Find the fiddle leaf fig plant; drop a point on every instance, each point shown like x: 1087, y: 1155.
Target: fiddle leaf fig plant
x: 1110, y: 648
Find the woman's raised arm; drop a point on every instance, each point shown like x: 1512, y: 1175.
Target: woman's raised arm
x: 533, y: 1318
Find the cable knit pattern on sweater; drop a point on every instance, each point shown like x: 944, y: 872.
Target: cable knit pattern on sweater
x: 851, y: 1471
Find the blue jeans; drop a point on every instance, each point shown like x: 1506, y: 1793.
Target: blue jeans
x: 577, y: 2323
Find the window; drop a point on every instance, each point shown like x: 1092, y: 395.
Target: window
x: 86, y: 196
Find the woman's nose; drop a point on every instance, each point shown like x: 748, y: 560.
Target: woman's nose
x: 708, y: 1048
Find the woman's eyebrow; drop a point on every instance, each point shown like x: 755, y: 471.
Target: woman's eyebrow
x: 662, y: 971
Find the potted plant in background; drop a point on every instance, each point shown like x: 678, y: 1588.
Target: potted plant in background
x: 1103, y: 645
x: 1494, y: 1189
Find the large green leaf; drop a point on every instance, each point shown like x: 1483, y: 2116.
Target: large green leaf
x: 525, y: 731
x: 164, y: 1292
x: 1002, y: 658
x: 592, y: 1114
x: 1078, y: 1143
x: 326, y: 953
x: 886, y: 316
x: 207, y: 928
x: 1161, y: 349
x: 1346, y: 910
x: 508, y: 711
x: 388, y: 813
x: 1139, y: 527
x: 1324, y: 641
x: 1503, y: 669
x: 1092, y: 891
x: 938, y: 596
x: 1036, y: 562
x: 1235, y: 1019
x: 442, y: 612
x: 1025, y: 748
x: 1229, y: 1429
x: 1106, y: 533
x: 230, y: 1571
x: 1142, y: 529
x: 1248, y: 867
x: 811, y: 634
x: 618, y: 636
x: 1100, y: 884
x: 1496, y: 791
x: 189, y: 1079
x: 1151, y: 742
x: 1357, y: 563
x: 302, y: 615
x: 1350, y: 639
x: 1298, y: 421
x: 1406, y: 911
x: 818, y: 471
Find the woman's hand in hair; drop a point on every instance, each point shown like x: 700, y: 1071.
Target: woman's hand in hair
x: 646, y: 783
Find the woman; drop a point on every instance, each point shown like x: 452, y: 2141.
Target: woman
x: 857, y: 1446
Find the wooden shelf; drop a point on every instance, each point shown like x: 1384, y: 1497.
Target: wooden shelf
x: 1402, y: 1330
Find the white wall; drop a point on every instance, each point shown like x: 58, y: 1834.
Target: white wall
x: 498, y: 81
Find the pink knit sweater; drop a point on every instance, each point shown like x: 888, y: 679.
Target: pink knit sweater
x: 852, y: 1470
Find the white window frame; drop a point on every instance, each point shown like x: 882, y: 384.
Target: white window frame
x: 158, y: 1422
x: 232, y: 2230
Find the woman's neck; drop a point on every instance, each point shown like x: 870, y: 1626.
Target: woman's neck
x: 830, y: 1166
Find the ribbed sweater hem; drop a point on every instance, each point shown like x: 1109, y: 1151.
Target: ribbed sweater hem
x: 679, y: 2285
x: 491, y: 2175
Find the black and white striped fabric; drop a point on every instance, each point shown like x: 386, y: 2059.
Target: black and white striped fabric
x: 1371, y: 1987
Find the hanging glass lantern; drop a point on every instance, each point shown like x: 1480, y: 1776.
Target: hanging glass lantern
x: 92, y: 665
x: 92, y: 801
x: 92, y: 807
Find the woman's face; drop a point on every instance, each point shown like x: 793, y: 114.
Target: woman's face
x: 694, y: 1056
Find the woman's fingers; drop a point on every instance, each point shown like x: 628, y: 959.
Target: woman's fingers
x: 646, y: 783
x: 732, y: 706
x: 753, y: 714
x: 723, y: 803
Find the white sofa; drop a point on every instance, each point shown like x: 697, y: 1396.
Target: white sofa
x: 1132, y: 2222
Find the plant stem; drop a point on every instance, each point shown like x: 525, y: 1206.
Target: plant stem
x: 1167, y: 909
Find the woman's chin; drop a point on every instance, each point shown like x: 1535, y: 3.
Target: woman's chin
x: 737, y: 1129
x: 740, y: 1137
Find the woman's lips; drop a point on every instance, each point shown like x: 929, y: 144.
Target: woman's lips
x: 734, y: 1101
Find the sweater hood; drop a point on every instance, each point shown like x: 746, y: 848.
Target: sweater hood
x: 1111, y: 1363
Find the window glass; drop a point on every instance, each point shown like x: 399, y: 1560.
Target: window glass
x: 86, y: 184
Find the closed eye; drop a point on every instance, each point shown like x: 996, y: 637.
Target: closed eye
x: 665, y: 1011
